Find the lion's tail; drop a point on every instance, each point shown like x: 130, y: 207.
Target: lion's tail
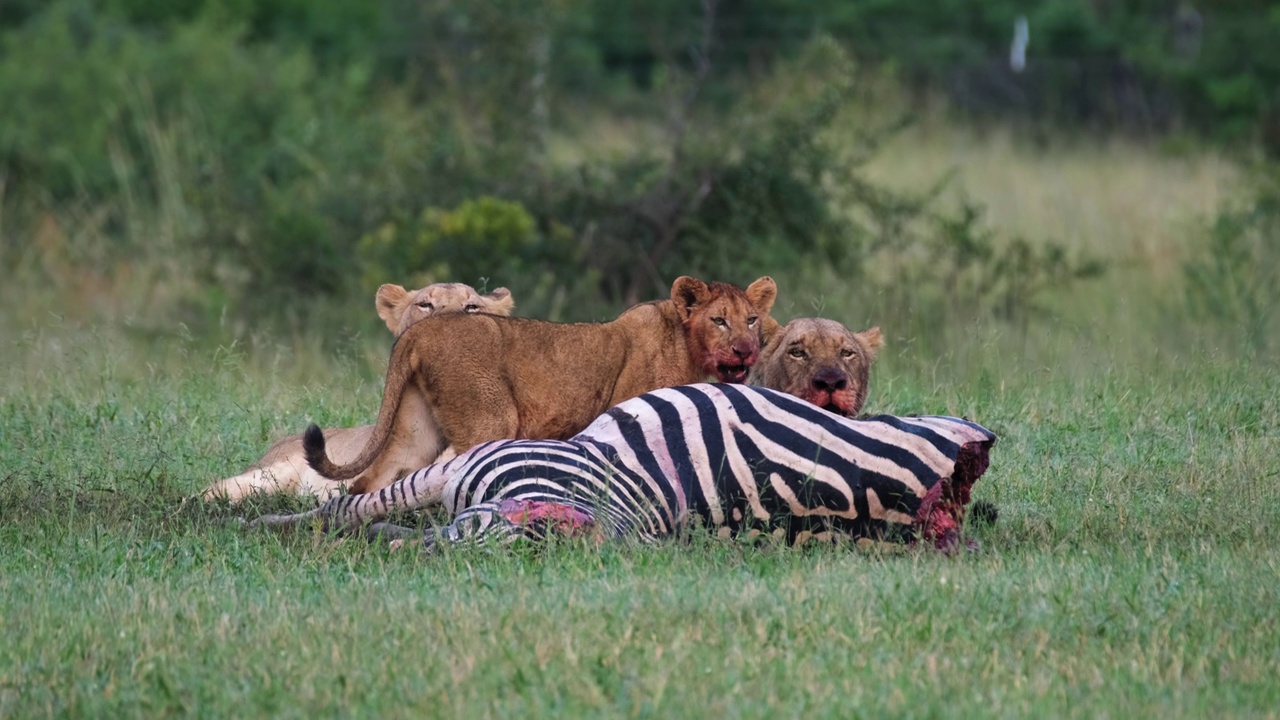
x: 313, y: 443
x: 313, y: 446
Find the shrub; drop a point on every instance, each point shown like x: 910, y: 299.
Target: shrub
x: 286, y: 184
x: 480, y: 238
x: 1235, y: 279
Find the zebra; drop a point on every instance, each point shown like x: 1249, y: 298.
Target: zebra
x: 737, y: 459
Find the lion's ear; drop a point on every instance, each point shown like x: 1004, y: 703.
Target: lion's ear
x: 500, y: 301
x: 391, y: 301
x: 688, y: 293
x: 762, y: 293
x: 872, y: 340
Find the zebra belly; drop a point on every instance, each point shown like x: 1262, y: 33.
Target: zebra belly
x: 569, y: 485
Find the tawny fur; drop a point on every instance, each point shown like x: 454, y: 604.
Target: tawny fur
x: 400, y: 308
x: 820, y: 361
x: 284, y: 467
x: 454, y: 382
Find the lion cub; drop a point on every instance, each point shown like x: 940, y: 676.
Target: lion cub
x: 284, y: 467
x: 820, y: 361
x: 455, y: 382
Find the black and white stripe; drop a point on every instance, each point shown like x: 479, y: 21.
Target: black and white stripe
x: 736, y: 458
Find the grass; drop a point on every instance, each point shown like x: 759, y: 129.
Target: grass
x: 1133, y: 570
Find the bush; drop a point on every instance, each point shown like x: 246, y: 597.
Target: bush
x: 480, y: 238
x: 1235, y: 280
x: 271, y: 183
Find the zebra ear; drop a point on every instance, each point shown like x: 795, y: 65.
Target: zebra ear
x: 872, y: 340
x: 390, y: 302
x: 688, y: 293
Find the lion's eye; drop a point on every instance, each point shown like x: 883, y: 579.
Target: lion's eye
x: 797, y: 353
x: 719, y: 322
x: 751, y: 321
x: 426, y: 306
x: 472, y: 308
x: 846, y: 353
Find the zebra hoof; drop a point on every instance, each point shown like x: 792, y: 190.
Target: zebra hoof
x: 389, y: 532
x: 270, y: 522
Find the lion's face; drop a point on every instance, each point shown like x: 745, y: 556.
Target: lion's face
x: 400, y: 308
x: 821, y: 361
x: 723, y: 323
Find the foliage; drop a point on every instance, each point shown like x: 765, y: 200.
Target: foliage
x: 262, y: 170
x: 760, y: 184
x: 1235, y: 278
x: 478, y: 238
x: 967, y: 265
x: 732, y: 190
x: 1136, y: 65
x: 228, y: 158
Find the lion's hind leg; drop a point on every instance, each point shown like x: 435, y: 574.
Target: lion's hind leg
x: 417, y: 443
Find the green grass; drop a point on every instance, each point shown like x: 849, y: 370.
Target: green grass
x: 1133, y: 570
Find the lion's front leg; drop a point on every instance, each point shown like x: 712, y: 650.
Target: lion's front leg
x: 276, y: 477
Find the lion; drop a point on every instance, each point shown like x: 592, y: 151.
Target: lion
x: 829, y: 365
x: 820, y: 361
x: 454, y: 382
x: 400, y: 308
x: 284, y: 468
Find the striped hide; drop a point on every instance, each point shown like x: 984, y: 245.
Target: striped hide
x: 734, y: 458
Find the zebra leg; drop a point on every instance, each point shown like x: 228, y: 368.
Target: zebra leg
x: 347, y: 512
x: 390, y: 532
x: 330, y: 514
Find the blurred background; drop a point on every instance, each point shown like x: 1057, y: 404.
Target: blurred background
x: 1053, y: 173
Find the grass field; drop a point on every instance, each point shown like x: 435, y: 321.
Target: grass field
x: 1134, y: 570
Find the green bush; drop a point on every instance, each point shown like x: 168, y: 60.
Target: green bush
x: 1235, y: 279
x: 480, y: 238
x: 289, y: 184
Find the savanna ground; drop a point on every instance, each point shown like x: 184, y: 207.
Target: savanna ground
x: 1133, y: 570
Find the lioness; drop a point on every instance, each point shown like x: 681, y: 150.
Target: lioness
x: 400, y: 308
x: 456, y: 381
x: 284, y: 468
x: 821, y: 361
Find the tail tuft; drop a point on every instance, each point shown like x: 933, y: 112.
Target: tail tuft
x: 313, y: 447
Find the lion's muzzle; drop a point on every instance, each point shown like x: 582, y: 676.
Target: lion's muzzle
x: 829, y: 389
x: 734, y: 365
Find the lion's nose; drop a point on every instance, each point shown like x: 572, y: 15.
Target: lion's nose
x: 830, y: 380
x: 743, y: 351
